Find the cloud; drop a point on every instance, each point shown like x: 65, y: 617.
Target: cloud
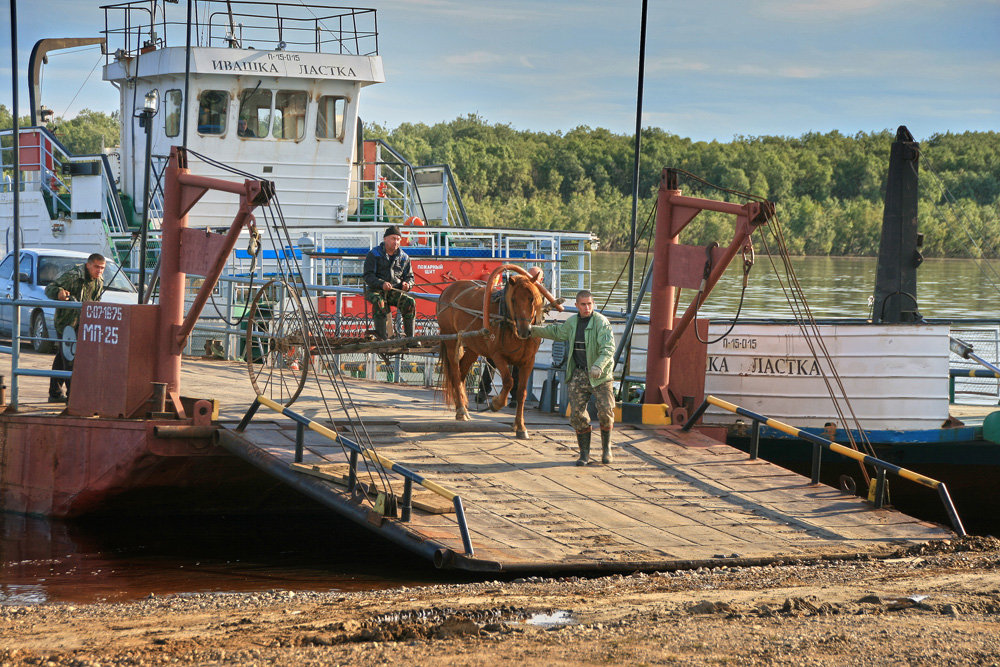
x: 475, y: 58
x: 657, y: 65
x: 826, y: 10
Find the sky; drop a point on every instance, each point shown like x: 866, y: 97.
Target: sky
x: 715, y: 69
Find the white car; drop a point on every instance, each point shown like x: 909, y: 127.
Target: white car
x: 39, y: 267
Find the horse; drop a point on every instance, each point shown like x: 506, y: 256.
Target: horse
x: 464, y: 307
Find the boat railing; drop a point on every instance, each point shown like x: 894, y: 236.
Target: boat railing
x: 42, y: 161
x: 975, y: 351
x: 369, y: 454
x: 877, y: 491
x: 8, y: 349
x: 113, y: 213
x: 133, y: 28
x: 48, y: 167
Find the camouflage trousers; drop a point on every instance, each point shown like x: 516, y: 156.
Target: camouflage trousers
x: 381, y: 301
x: 580, y: 391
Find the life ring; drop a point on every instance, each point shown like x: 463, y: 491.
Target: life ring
x: 414, y: 221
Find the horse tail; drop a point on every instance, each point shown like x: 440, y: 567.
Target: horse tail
x: 446, y: 385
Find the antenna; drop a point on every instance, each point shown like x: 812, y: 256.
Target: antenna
x: 231, y: 37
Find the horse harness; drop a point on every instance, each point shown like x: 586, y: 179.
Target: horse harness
x: 498, y: 297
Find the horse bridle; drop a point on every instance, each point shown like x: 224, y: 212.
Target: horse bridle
x: 536, y: 311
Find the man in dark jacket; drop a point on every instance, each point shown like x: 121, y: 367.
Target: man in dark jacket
x: 84, y: 282
x: 388, y: 277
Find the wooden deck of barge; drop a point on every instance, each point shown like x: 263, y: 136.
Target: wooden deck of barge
x: 669, y: 499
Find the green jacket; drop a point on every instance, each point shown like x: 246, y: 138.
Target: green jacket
x: 81, y: 287
x: 598, y: 337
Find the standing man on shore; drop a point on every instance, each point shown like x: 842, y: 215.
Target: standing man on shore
x: 80, y: 283
x: 388, y: 277
x: 588, y: 372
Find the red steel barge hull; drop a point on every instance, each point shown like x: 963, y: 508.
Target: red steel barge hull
x: 67, y: 467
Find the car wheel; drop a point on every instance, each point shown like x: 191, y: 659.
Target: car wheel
x: 39, y: 330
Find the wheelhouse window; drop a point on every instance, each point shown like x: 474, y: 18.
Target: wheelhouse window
x: 172, y: 112
x: 289, y: 115
x: 212, y: 108
x: 255, y: 113
x: 330, y: 117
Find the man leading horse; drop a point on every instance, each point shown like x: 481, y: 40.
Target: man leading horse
x: 588, y: 372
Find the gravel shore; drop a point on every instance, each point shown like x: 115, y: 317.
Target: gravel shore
x: 931, y: 604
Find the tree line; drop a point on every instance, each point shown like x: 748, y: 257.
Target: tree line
x: 828, y: 188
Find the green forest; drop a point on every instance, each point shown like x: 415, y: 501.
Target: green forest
x: 828, y: 188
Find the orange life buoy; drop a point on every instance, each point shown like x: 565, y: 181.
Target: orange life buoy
x: 414, y: 221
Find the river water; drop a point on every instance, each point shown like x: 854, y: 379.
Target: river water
x: 833, y: 287
x: 118, y: 560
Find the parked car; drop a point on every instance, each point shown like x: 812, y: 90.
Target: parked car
x: 39, y: 267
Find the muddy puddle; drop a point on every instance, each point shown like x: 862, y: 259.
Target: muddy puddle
x: 107, y: 560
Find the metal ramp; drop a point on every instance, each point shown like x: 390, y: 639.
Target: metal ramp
x: 669, y: 500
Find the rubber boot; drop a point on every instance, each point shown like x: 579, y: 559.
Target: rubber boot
x: 606, y: 456
x: 583, y: 439
x: 408, y: 327
x: 381, y: 327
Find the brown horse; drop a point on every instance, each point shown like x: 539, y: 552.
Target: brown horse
x: 461, y: 308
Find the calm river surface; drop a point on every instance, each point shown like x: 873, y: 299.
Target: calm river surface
x: 43, y: 561
x: 833, y: 286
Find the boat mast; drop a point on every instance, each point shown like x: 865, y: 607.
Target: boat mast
x: 638, y: 141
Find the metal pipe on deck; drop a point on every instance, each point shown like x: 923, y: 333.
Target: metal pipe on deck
x: 170, y: 432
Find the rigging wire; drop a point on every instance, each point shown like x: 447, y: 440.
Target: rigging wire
x: 795, y: 296
x: 645, y: 227
x: 313, y: 329
x: 814, y: 339
x: 316, y: 333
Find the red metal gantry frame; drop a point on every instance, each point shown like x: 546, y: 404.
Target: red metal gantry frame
x: 675, y: 265
x: 184, y: 250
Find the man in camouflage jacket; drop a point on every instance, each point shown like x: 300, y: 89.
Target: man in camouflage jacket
x: 84, y: 282
x: 588, y: 371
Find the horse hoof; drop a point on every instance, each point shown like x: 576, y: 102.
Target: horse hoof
x: 494, y: 406
x: 522, y: 435
x: 462, y: 416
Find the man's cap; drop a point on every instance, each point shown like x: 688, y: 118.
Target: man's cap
x: 390, y: 230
